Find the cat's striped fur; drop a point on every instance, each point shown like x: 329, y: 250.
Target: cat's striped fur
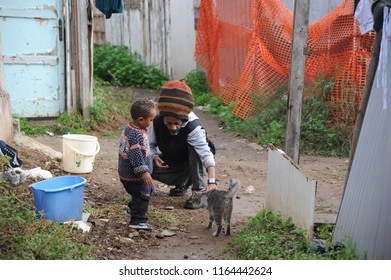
x: 219, y: 204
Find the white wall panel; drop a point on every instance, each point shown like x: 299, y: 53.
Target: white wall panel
x: 289, y: 191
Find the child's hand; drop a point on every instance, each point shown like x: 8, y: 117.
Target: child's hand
x: 147, y: 178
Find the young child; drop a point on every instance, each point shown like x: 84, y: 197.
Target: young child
x: 135, y: 162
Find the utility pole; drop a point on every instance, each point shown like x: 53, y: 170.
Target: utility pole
x: 296, y: 79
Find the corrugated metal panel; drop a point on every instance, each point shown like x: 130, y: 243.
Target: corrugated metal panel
x: 163, y: 32
x: 289, y: 191
x: 365, y: 213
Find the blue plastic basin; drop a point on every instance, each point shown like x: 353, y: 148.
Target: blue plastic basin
x: 59, y: 199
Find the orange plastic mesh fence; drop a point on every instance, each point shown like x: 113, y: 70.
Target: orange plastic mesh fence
x: 245, y: 48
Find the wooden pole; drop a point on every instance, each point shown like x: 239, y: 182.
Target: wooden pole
x: 296, y: 79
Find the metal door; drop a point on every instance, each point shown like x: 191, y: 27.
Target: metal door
x: 33, y: 49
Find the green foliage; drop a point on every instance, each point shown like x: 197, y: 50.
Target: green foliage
x: 325, y: 231
x: 198, y: 83
x: 117, y: 66
x: 4, y: 163
x: 29, y: 128
x: 274, y: 133
x: 105, y: 108
x: 268, y: 237
x: 23, y: 236
x: 74, y: 124
x: 267, y: 123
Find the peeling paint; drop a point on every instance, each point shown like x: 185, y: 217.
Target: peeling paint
x: 28, y: 60
x: 50, y: 8
x: 51, y: 52
x: 41, y: 21
x: 34, y: 66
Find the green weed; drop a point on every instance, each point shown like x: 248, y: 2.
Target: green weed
x: 268, y: 237
x: 4, y: 163
x: 107, y: 111
x: 30, y: 129
x: 117, y: 66
x: 23, y: 236
x: 319, y: 133
x: 159, y: 218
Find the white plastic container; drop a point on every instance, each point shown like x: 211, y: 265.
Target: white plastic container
x: 79, y: 152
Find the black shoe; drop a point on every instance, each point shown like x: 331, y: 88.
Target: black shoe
x: 178, y: 191
x: 189, y: 204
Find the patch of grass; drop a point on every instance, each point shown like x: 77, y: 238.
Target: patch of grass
x: 268, y: 237
x: 159, y: 218
x: 108, y: 110
x: 23, y: 236
x: 4, y: 163
x: 29, y: 128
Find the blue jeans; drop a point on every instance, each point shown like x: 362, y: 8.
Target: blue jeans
x: 138, y: 205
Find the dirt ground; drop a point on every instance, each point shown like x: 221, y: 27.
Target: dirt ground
x: 236, y: 158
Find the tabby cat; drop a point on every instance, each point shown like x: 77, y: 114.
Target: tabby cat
x: 219, y: 204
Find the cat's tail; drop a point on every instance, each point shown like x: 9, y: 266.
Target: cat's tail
x: 234, y: 185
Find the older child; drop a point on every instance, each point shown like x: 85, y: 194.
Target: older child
x: 135, y: 162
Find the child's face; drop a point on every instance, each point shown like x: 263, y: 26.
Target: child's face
x: 144, y: 123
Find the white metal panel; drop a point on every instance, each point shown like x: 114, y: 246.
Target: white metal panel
x: 127, y: 28
x: 157, y: 31
x: 33, y: 56
x: 163, y: 32
x: 289, y: 191
x: 364, y: 217
x: 181, y: 37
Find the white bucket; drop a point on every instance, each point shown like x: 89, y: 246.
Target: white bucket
x: 79, y: 152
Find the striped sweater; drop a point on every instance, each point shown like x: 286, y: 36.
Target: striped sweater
x: 134, y: 154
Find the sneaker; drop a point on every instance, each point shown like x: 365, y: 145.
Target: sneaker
x: 178, y: 191
x: 127, y: 212
x: 189, y: 204
x: 144, y: 226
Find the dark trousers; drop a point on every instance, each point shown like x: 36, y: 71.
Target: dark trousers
x: 138, y: 205
x: 186, y: 173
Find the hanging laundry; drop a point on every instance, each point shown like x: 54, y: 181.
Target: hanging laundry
x: 108, y: 7
x: 377, y: 11
x: 381, y: 75
x: 363, y: 15
x: 387, y: 24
